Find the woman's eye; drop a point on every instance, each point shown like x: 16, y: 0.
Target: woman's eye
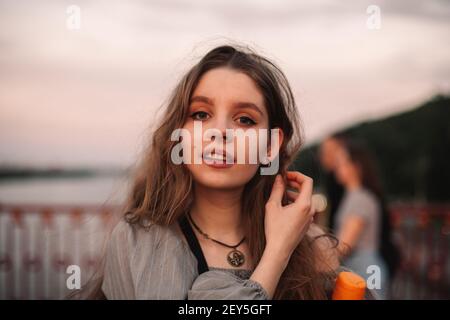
x: 200, y: 116
x: 246, y: 121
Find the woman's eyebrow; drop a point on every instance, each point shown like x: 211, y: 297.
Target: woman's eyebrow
x: 250, y: 105
x: 202, y: 99
x: 240, y: 105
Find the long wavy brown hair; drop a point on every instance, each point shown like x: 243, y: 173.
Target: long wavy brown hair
x: 162, y: 191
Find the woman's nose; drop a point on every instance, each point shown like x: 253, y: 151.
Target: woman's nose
x: 227, y: 135
x: 225, y: 128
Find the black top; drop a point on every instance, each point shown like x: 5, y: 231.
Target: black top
x: 192, y: 240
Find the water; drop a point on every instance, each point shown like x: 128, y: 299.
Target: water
x: 84, y: 190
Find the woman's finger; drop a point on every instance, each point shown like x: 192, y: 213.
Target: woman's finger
x: 305, y: 185
x: 292, y: 195
x: 293, y: 185
x: 312, y: 211
x: 277, y: 190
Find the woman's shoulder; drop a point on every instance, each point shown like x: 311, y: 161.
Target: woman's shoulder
x: 364, y: 195
x: 128, y: 235
x: 362, y: 202
x: 146, y: 263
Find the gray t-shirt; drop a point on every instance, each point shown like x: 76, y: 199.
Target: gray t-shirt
x: 362, y: 203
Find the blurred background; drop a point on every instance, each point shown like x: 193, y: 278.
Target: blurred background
x: 82, y: 81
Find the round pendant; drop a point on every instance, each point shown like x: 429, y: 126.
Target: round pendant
x: 236, y: 258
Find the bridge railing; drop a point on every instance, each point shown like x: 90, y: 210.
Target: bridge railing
x: 39, y: 242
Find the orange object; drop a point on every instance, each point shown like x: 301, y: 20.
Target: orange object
x: 349, y: 286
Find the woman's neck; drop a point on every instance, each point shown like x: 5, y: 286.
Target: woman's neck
x: 353, y: 184
x: 218, y: 213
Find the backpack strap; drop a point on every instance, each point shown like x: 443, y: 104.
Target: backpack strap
x: 192, y: 240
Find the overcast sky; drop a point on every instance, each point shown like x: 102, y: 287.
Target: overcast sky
x: 87, y: 96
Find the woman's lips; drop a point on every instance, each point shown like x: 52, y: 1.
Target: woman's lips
x: 218, y: 160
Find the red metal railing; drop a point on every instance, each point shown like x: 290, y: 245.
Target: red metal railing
x: 422, y: 232
x: 39, y: 242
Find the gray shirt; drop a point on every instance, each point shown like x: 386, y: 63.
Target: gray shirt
x: 361, y: 203
x: 156, y: 263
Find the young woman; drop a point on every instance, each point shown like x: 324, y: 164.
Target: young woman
x: 362, y: 220
x: 212, y: 231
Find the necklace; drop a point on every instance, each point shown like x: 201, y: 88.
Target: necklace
x: 235, y: 257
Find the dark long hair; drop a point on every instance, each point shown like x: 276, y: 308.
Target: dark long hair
x: 361, y: 155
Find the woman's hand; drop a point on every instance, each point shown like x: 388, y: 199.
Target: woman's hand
x: 285, y: 226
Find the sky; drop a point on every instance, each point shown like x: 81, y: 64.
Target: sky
x: 88, y: 96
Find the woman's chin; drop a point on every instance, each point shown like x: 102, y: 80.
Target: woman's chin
x: 220, y: 180
x: 233, y: 177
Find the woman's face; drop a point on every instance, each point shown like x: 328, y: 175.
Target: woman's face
x: 346, y: 170
x: 225, y: 99
x: 327, y: 153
